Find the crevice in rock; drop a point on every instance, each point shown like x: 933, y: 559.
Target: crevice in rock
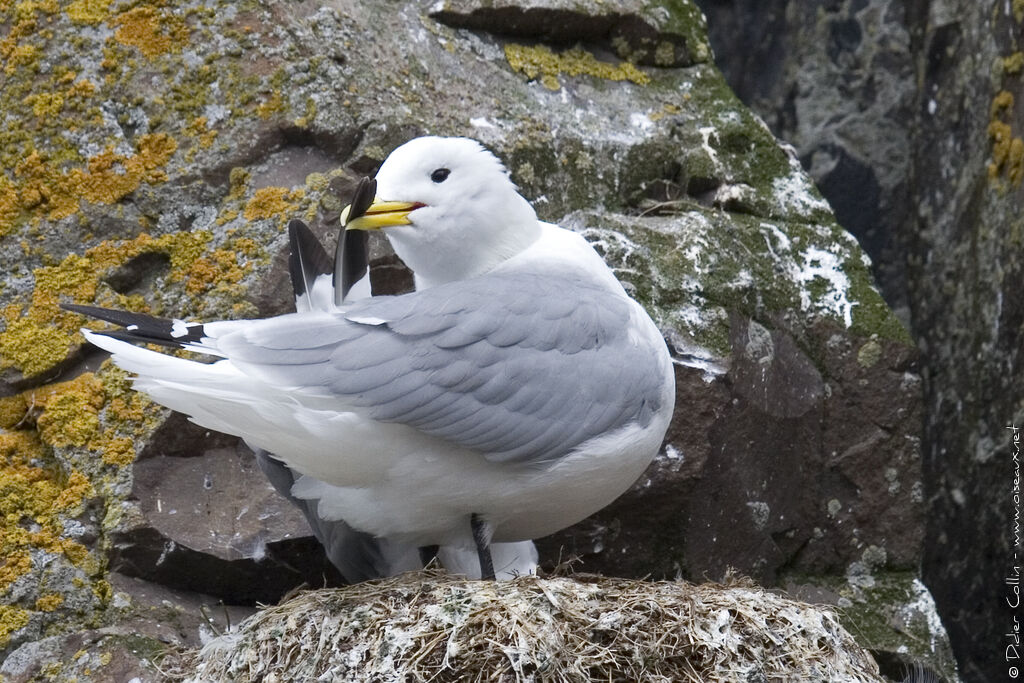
x: 290, y: 153
x: 138, y: 274
x: 628, y: 35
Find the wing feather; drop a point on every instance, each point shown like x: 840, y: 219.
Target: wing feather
x: 519, y: 367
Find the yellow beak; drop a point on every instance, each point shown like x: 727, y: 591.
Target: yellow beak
x: 380, y: 215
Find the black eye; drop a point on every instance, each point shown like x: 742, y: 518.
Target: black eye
x: 439, y: 175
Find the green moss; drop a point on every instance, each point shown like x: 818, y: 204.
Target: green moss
x: 871, y: 315
x: 890, y: 613
x: 687, y: 20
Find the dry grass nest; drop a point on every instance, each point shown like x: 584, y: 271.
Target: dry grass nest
x: 431, y: 626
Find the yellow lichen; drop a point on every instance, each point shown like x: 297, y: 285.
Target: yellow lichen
x: 33, y: 493
x: 21, y: 56
x: 317, y: 181
x: 540, y: 62
x: 267, y: 108
x: 11, y: 619
x: 32, y: 348
x: 200, y: 130
x: 151, y: 31
x: 13, y: 411
x: 37, y: 339
x: 49, y: 602
x: 88, y: 11
x: 71, y: 415
x: 103, y: 590
x: 269, y: 202
x: 46, y: 189
x: 665, y: 54
x: 9, y: 205
x: 1018, y: 10
x: 76, y: 490
x: 119, y: 451
x: 1014, y: 63
x: 238, y: 182
x: 45, y: 105
x: 1007, y: 150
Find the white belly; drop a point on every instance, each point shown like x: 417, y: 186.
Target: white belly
x: 427, y: 498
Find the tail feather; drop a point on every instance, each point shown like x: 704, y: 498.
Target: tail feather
x: 307, y: 263
x: 148, y: 363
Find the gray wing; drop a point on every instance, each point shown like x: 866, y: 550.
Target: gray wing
x: 520, y: 367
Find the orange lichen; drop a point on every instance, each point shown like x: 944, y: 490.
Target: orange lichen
x: 221, y: 266
x: 112, y: 176
x: 151, y: 31
x: 46, y: 189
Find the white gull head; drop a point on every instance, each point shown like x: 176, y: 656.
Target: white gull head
x: 455, y: 212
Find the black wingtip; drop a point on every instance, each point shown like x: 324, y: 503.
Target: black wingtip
x: 142, y: 328
x: 352, y: 255
x: 362, y: 198
x: 307, y: 259
x: 355, y: 260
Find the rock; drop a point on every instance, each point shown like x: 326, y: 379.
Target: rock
x: 665, y: 35
x: 800, y: 408
x: 213, y: 523
x: 884, y: 608
x: 907, y: 115
x: 837, y: 81
x: 154, y: 623
x: 209, y: 126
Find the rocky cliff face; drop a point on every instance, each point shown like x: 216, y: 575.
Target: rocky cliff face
x: 908, y: 114
x: 153, y: 155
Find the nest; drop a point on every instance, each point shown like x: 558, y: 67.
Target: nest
x: 430, y: 626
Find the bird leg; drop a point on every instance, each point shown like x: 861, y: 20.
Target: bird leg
x: 428, y: 553
x: 481, y: 536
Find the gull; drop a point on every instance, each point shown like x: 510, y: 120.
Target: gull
x: 517, y: 391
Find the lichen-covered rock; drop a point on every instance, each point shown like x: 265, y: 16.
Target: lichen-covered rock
x: 909, y: 116
x: 155, y: 154
x: 892, y: 613
x: 153, y: 623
